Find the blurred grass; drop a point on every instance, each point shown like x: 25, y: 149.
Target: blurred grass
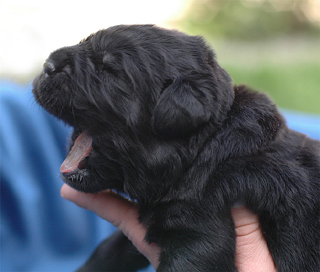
x: 288, y: 70
x: 293, y: 86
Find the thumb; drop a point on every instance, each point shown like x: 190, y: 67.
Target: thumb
x: 252, y: 253
x: 120, y: 212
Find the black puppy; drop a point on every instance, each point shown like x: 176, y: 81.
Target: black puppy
x: 157, y: 118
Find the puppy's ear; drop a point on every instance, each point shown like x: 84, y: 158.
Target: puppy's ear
x: 180, y: 110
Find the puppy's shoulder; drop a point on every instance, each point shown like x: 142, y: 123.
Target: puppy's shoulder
x: 253, y: 117
x: 256, y: 107
x: 250, y: 99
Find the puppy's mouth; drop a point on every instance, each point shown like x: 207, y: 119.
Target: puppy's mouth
x: 74, y: 167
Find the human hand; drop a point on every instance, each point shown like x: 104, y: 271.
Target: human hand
x: 120, y: 212
x: 252, y: 253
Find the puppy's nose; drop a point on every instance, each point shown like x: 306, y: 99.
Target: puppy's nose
x: 48, y: 67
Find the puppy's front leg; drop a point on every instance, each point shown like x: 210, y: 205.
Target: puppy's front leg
x: 116, y: 253
x: 198, y: 243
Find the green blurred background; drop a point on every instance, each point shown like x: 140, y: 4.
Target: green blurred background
x: 271, y: 45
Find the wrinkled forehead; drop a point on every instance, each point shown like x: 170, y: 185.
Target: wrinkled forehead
x: 118, y: 37
x: 129, y: 36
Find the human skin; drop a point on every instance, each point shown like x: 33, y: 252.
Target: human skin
x: 252, y: 253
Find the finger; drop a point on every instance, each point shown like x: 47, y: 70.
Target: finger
x: 252, y: 253
x: 107, y: 205
x: 120, y: 212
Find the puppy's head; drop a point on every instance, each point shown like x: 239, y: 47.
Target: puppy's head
x: 128, y: 90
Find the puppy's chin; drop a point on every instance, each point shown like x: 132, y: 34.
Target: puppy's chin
x: 78, y: 180
x: 82, y: 180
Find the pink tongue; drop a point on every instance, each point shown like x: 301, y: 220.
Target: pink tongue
x: 79, y: 151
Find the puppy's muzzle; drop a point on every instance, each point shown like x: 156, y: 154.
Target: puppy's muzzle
x: 49, y: 68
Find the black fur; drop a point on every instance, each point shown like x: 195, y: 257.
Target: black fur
x: 171, y: 131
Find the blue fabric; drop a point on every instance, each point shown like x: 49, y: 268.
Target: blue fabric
x: 39, y: 230
x: 306, y: 123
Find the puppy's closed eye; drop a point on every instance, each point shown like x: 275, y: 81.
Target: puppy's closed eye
x: 108, y: 59
x: 110, y: 62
